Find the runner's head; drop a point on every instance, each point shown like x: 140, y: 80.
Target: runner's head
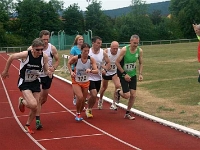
x: 114, y: 47
x: 45, y: 36
x: 85, y: 49
x: 134, y: 41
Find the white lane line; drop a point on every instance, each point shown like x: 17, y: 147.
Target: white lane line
x: 106, y: 133
x: 6, y: 118
x: 17, y: 120
x: 41, y: 113
x: 70, y: 137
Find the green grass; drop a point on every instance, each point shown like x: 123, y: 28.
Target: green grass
x: 170, y: 77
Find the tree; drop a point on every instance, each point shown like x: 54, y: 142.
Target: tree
x: 186, y: 12
x: 138, y: 21
x: 36, y: 15
x: 156, y: 17
x: 3, y: 13
x: 98, y: 22
x: 74, y: 20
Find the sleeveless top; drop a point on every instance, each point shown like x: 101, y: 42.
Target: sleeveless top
x: 128, y: 62
x: 99, y: 61
x: 48, y: 52
x: 80, y: 70
x: 112, y: 58
x: 30, y: 68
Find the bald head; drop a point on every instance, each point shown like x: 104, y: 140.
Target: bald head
x: 114, y: 46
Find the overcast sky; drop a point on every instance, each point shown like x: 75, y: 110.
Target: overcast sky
x: 106, y: 4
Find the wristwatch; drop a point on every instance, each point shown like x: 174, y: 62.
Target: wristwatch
x: 123, y: 74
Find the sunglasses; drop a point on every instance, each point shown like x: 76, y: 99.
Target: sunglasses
x: 39, y: 49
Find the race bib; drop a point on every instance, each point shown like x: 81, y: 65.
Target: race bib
x: 31, y: 75
x: 129, y: 66
x: 81, y: 76
x: 113, y: 67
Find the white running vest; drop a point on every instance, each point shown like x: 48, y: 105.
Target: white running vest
x: 81, y: 75
x: 113, y: 67
x: 99, y: 61
x: 48, y: 52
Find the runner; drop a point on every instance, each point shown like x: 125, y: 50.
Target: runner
x: 126, y: 70
x: 110, y: 74
x: 53, y: 62
x: 31, y: 64
x: 95, y: 79
x: 80, y: 77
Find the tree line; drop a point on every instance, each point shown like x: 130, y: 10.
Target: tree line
x: 21, y: 21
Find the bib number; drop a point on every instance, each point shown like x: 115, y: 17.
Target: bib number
x: 31, y: 75
x: 113, y: 67
x: 129, y: 66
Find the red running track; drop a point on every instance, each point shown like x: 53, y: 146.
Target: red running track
x: 107, y: 130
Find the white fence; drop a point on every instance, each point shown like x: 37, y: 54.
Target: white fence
x: 13, y: 49
x: 105, y: 45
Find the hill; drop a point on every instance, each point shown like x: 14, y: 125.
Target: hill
x: 163, y: 6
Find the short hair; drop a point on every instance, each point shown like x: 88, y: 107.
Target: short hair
x: 76, y: 39
x: 37, y: 42
x: 134, y: 36
x: 96, y: 38
x: 44, y: 32
x: 85, y: 45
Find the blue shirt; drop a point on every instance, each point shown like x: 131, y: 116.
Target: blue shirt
x: 75, y: 51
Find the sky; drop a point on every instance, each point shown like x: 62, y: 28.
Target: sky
x: 106, y: 4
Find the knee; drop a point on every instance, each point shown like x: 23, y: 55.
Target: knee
x: 126, y: 95
x: 33, y: 105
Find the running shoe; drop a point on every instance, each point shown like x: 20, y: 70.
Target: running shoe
x: 113, y: 107
x: 74, y: 101
x: 21, y: 106
x: 117, y: 95
x: 128, y: 116
x: 28, y: 130
x: 100, y: 104
x: 38, y: 125
x: 88, y: 113
x: 78, y: 117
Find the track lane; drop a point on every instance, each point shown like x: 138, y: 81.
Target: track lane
x: 143, y: 133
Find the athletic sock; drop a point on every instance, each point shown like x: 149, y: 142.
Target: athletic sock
x: 37, y: 117
x: 127, y: 112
